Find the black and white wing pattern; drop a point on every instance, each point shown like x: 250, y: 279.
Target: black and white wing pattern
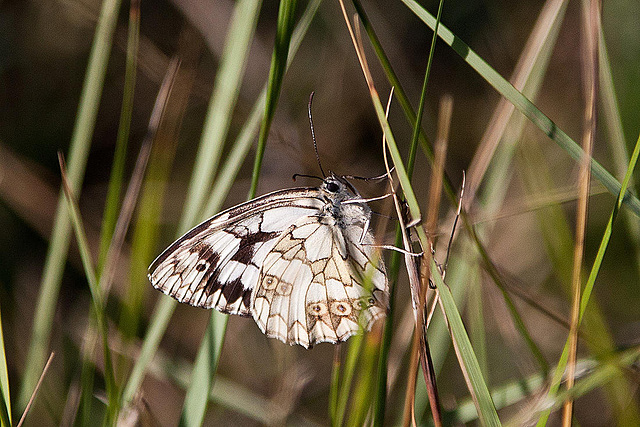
x: 296, y: 260
x: 217, y: 263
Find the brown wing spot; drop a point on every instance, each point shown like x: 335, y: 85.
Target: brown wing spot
x: 201, y: 266
x: 317, y: 309
x: 341, y: 308
x: 270, y: 283
x: 284, y: 288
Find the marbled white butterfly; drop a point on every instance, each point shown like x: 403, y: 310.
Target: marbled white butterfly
x: 296, y: 260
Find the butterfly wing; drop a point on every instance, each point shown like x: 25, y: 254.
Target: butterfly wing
x: 311, y: 286
x: 217, y: 263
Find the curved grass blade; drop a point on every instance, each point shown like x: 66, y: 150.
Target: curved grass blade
x: 242, y: 144
x: 206, y: 362
x: 146, y: 230
x: 223, y: 100
x: 468, y: 361
x: 59, y: 243
x: 216, y: 125
x: 466, y: 357
x: 523, y: 104
x: 616, y: 137
x: 528, y: 75
x: 119, y: 158
x: 97, y: 297
x: 380, y: 404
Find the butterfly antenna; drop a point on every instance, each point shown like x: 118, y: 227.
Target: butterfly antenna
x: 313, y: 135
x: 296, y: 175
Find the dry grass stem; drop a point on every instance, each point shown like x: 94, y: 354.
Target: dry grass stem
x: 591, y: 21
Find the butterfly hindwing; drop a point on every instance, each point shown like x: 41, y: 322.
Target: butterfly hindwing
x: 311, y: 286
x: 217, y: 263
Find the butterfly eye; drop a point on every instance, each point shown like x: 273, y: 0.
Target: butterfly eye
x: 332, y: 187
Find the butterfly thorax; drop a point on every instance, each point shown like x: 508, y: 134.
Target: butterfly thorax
x: 342, y: 208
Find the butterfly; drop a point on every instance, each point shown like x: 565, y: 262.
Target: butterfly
x: 300, y: 261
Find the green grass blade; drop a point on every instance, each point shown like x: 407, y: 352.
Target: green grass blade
x: 204, y: 372
x: 243, y: 142
x: 423, y: 96
x: 399, y: 92
x: 97, y: 298
x: 599, y: 375
x: 361, y: 395
x: 522, y: 103
x: 286, y: 13
x: 586, y: 295
x: 608, y: 230
x: 467, y: 358
x: 477, y: 324
x: 616, y: 138
x: 216, y: 126
x: 146, y: 231
x: 114, y: 188
x: 5, y: 401
x: 209, y: 352
x: 503, y: 396
x: 59, y: 243
x: 548, y: 25
x: 515, y: 392
x: 223, y: 99
x: 119, y: 159
x: 226, y: 393
x: 387, y: 334
x: 158, y: 325
x: 355, y: 344
x: 468, y: 361
x: 227, y: 88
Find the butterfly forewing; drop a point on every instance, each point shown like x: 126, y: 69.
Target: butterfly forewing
x: 217, y: 263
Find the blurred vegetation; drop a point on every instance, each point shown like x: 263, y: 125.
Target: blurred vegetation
x: 511, y: 282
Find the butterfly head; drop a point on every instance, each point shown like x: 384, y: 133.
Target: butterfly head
x: 337, y: 188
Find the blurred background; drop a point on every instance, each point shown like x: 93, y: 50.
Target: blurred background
x: 44, y: 49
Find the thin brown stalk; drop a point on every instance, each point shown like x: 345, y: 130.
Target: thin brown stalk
x: 419, y: 350
x: 591, y: 22
x: 35, y: 390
